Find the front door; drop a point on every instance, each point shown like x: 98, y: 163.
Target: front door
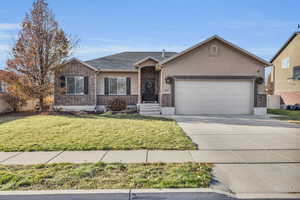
x: 149, y: 91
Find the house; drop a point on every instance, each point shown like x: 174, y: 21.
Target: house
x: 4, y: 107
x: 286, y: 71
x: 212, y: 77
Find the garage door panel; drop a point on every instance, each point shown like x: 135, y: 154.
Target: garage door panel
x: 213, y: 97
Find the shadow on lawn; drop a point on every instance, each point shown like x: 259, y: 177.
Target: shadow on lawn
x: 8, y: 117
x: 121, y: 116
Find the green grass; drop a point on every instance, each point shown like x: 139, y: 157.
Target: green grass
x: 91, y: 132
x: 290, y: 115
x: 104, y: 176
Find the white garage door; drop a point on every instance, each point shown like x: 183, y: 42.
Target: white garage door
x: 213, y: 96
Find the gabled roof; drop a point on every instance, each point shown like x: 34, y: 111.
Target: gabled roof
x: 222, y: 40
x: 125, y: 61
x: 285, y: 45
x: 81, y: 62
x: 145, y: 59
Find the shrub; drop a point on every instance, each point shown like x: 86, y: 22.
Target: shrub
x: 116, y: 105
x: 15, y: 102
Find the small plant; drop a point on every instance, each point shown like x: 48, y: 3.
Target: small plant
x: 116, y: 104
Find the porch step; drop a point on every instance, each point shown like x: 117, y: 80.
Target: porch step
x: 150, y: 109
x: 150, y: 113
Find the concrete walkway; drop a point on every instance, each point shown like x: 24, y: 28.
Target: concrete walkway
x: 144, y: 156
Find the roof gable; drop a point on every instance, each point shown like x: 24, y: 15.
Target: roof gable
x: 149, y: 58
x: 81, y: 62
x: 285, y: 45
x: 215, y: 37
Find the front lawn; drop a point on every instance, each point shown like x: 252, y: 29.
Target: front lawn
x: 91, y: 132
x: 104, y: 176
x: 290, y: 115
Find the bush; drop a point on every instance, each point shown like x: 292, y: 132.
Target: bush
x: 15, y: 102
x: 116, y: 105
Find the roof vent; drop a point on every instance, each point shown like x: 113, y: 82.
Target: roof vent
x: 163, y: 53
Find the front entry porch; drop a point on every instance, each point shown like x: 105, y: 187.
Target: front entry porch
x: 149, y: 85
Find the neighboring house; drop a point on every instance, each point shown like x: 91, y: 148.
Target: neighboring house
x: 212, y: 77
x: 286, y: 71
x: 3, y: 105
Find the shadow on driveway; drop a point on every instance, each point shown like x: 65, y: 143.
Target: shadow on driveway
x: 242, y: 120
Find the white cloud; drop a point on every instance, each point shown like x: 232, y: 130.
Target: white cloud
x: 3, y: 48
x: 9, y: 26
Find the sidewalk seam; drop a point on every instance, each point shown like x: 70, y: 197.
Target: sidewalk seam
x: 18, y: 153
x: 147, y: 156
x: 103, y: 156
x: 54, y: 157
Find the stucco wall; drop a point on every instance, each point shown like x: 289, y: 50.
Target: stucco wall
x: 281, y: 82
x: 132, y: 75
x: 229, y: 62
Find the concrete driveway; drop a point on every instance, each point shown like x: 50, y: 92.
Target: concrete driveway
x: 253, y: 155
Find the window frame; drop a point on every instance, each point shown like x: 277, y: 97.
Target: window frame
x: 118, y: 81
x: 75, y: 92
x: 294, y: 73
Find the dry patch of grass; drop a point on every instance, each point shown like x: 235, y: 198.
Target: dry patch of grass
x: 91, y: 132
x: 104, y: 176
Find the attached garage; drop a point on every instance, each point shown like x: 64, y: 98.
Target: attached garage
x: 214, y: 96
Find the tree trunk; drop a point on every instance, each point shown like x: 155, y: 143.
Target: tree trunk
x: 41, y: 104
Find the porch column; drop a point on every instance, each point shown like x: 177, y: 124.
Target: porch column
x: 139, y: 85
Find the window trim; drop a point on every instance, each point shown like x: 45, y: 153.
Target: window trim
x: 213, y: 53
x: 118, y: 94
x: 285, y: 63
x: 78, y: 94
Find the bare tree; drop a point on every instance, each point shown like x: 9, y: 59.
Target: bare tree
x: 42, y: 46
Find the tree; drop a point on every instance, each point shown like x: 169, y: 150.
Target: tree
x: 42, y: 46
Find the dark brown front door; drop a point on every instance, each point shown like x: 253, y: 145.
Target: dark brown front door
x: 149, y: 90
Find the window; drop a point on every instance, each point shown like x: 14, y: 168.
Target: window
x: 117, y: 86
x: 285, y: 63
x: 2, y: 87
x: 213, y: 50
x: 296, y: 75
x: 75, y: 85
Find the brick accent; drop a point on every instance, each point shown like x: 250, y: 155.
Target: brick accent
x: 260, y: 100
x: 166, y: 100
x: 75, y: 69
x: 129, y: 99
x: 290, y: 98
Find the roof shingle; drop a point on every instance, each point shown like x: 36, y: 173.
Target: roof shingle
x: 125, y: 61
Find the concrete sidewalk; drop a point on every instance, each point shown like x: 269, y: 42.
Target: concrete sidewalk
x: 145, y: 156
x: 139, y: 194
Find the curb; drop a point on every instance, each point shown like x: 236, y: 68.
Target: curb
x: 130, y: 194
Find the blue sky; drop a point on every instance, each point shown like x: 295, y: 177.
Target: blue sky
x: 106, y: 27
